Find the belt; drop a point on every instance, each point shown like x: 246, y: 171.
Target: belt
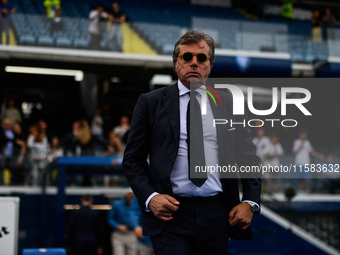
x: 200, y: 200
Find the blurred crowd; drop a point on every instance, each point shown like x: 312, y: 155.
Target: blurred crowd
x: 26, y: 153
x: 323, y: 173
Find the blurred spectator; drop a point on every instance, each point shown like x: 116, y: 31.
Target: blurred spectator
x: 316, y: 24
x: 12, y: 113
x: 97, y: 130
x: 83, y: 144
x: 55, y: 151
x: 115, y: 147
x: 261, y: 141
x: 57, y: 23
x: 7, y: 144
x: 287, y: 10
x: 32, y: 133
x: 84, y: 235
x: 123, y: 237
x: 144, y: 242
x: 6, y: 9
x: 272, y: 153
x: 122, y: 129
x: 18, y: 163
x: 302, y: 148
x: 70, y: 139
x: 39, y: 152
x: 115, y: 36
x: 98, y: 19
x: 51, y: 8
x: 329, y: 21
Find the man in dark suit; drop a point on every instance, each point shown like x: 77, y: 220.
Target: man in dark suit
x: 84, y: 235
x: 184, y: 215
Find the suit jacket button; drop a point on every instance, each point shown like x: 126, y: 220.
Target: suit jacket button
x: 172, y: 161
x: 169, y: 185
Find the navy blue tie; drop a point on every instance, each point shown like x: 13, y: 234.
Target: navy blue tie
x: 195, y: 142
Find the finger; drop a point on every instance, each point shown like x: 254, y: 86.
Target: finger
x: 172, y: 200
x: 171, y: 207
x: 165, y: 218
x: 234, y: 221
x: 165, y: 214
x: 232, y: 214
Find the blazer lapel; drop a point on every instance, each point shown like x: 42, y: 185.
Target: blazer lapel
x: 171, y: 103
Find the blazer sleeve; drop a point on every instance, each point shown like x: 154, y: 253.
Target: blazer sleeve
x: 137, y: 150
x: 246, y: 156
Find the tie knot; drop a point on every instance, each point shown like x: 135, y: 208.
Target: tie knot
x: 193, y: 93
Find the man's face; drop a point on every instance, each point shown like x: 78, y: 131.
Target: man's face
x: 115, y: 7
x: 193, y: 69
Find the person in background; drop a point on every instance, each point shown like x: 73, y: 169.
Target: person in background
x: 329, y: 21
x: 261, y: 141
x: 115, y: 147
x: 317, y: 30
x: 98, y: 19
x: 115, y: 36
x: 84, y: 233
x: 272, y: 153
x: 6, y: 9
x: 123, y: 237
x: 70, y: 140
x: 55, y: 152
x: 287, y: 10
x: 18, y: 165
x: 97, y: 130
x: 7, y: 144
x: 12, y: 113
x: 51, y: 8
x: 57, y: 23
x: 122, y: 129
x: 144, y: 242
x: 39, y: 152
x: 302, y: 148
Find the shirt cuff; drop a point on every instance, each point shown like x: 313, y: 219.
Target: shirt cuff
x: 245, y: 201
x: 148, y: 200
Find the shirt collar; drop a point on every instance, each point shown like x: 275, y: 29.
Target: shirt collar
x: 184, y: 90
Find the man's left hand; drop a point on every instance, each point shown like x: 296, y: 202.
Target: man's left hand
x: 240, y: 216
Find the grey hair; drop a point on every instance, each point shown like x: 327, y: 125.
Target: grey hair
x: 195, y: 36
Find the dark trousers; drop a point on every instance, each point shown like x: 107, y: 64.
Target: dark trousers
x: 200, y: 226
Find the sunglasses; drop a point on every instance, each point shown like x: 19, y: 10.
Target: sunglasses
x: 187, y: 56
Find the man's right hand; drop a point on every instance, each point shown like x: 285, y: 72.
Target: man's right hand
x: 163, y: 206
x: 122, y: 228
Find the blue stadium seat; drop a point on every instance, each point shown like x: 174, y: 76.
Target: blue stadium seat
x: 45, y: 40
x: 63, y: 42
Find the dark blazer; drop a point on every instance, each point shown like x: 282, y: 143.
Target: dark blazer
x: 155, y: 131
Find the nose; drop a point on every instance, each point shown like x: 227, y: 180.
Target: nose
x: 194, y: 61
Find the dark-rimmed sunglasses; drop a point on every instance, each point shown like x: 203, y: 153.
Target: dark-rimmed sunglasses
x: 201, y: 57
